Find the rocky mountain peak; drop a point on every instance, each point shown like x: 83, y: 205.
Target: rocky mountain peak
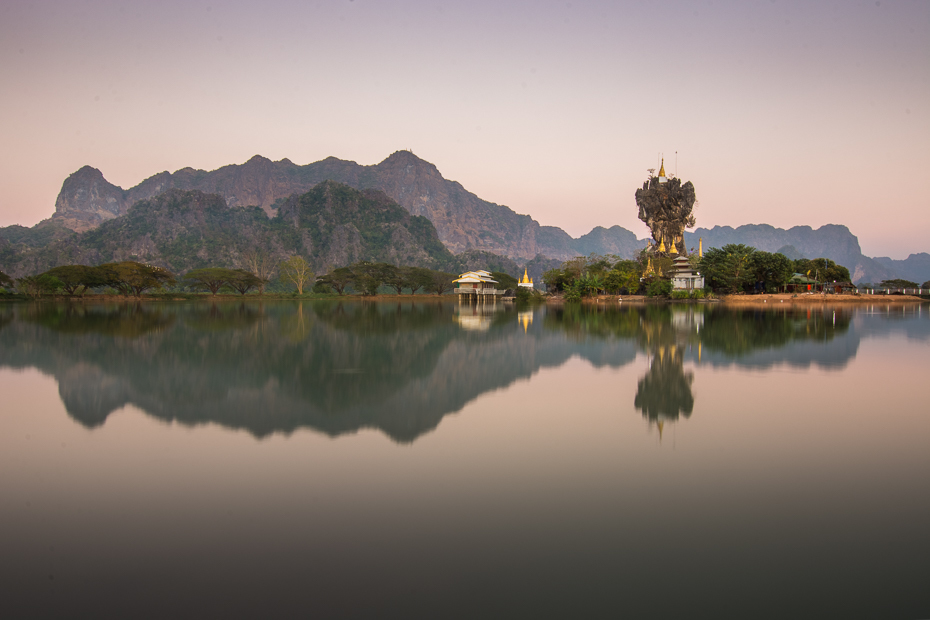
x: 86, y: 199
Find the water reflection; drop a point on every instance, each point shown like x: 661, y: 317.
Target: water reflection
x: 398, y: 367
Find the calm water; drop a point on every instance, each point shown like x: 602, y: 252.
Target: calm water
x: 426, y: 461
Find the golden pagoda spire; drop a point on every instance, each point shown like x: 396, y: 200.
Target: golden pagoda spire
x: 526, y: 279
x: 662, y: 169
x: 673, y: 249
x: 662, y: 246
x: 700, y: 247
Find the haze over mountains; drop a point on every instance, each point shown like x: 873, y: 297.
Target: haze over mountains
x: 462, y: 220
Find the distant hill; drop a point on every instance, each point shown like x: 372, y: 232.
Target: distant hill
x: 830, y: 241
x: 915, y: 267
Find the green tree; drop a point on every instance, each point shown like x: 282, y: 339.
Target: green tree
x: 728, y: 268
x: 773, y: 270
x: 296, y: 271
x: 132, y: 278
x: 822, y: 270
x: 339, y: 279
x: 416, y: 278
x: 74, y: 277
x: 370, y: 276
x: 209, y: 278
x: 897, y: 283
x: 925, y: 284
x: 41, y: 284
x: 395, y: 278
x: 504, y: 280
x: 659, y: 288
x: 441, y: 282
x: 242, y: 281
x: 5, y: 280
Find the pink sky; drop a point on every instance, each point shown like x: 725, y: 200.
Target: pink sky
x: 786, y: 113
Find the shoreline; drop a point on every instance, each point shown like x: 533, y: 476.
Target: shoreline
x: 730, y: 300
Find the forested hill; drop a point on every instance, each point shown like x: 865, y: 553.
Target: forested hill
x: 331, y: 225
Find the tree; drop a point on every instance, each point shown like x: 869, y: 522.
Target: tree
x: 369, y: 276
x: 925, y: 284
x: 296, y: 271
x: 5, y: 280
x: 728, y: 268
x: 440, y: 282
x: 897, y: 283
x: 773, y: 270
x: 38, y: 285
x: 132, y: 278
x: 504, y: 280
x: 416, y: 278
x: 822, y: 270
x: 209, y: 278
x: 338, y: 279
x: 396, y: 279
x: 260, y: 264
x: 73, y: 277
x: 242, y: 281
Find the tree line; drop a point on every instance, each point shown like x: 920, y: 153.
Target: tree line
x: 133, y: 279
x: 732, y: 268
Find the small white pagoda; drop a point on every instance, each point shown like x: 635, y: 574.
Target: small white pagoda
x: 684, y: 277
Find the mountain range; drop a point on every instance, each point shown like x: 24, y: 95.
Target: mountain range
x: 463, y: 222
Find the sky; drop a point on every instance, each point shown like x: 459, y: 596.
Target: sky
x: 780, y: 112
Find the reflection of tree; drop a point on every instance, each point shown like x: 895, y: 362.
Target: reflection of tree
x: 122, y: 320
x: 296, y: 327
x: 739, y: 332
x: 221, y: 316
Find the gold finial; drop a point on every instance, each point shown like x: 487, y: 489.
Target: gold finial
x: 662, y: 169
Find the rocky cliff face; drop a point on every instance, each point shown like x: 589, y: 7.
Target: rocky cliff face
x: 916, y: 267
x: 331, y: 225
x: 87, y: 200
x: 463, y: 220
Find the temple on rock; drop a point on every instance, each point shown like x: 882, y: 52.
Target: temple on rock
x: 665, y: 206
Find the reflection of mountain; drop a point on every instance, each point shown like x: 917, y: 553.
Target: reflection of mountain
x: 277, y: 367
x: 340, y: 367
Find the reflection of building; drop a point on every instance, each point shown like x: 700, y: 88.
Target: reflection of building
x: 525, y: 318
x: 478, y: 285
x: 475, y: 318
x: 525, y: 281
x: 684, y: 277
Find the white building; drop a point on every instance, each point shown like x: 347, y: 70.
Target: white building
x: 684, y: 277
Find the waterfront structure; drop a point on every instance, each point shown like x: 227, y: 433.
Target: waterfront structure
x: 684, y: 277
x: 525, y: 281
x: 477, y: 285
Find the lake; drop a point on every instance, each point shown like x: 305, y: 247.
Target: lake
x: 430, y: 460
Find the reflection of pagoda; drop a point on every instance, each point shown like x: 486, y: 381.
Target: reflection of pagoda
x: 664, y: 393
